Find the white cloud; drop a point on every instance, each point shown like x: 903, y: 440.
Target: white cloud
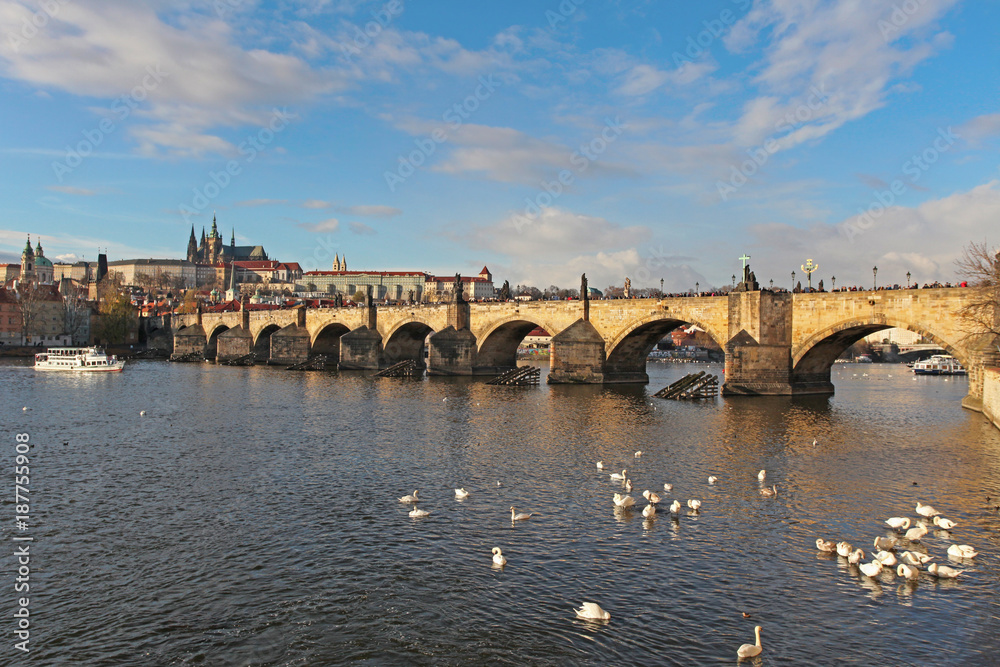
x: 316, y: 203
x: 71, y: 190
x: 190, y: 71
x: 329, y: 225
x: 980, y: 128
x: 361, y: 229
x: 371, y: 211
x: 925, y: 240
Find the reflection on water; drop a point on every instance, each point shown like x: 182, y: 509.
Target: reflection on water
x: 252, y: 518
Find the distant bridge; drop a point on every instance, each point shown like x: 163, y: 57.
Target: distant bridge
x: 775, y: 343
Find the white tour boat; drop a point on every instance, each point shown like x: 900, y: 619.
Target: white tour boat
x: 78, y: 359
x: 939, y: 364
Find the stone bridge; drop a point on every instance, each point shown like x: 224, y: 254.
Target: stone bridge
x: 775, y: 343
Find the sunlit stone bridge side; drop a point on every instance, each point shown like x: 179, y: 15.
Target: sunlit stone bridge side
x: 775, y: 343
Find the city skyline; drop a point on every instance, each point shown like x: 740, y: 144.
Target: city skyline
x: 544, y: 140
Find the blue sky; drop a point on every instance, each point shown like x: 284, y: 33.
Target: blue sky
x: 541, y: 138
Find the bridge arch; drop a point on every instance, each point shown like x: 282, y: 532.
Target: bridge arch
x: 406, y: 341
x: 814, y: 357
x: 212, y: 350
x: 327, y: 340
x: 262, y: 343
x: 628, y: 350
x: 499, y: 342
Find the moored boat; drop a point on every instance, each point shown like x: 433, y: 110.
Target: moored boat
x: 939, y: 364
x: 78, y: 360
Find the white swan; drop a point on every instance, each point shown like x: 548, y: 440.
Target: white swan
x: 668, y: 487
x: 498, y: 558
x: 884, y: 543
x: 620, y: 477
x: 694, y: 504
x: 518, y: 517
x: 638, y: 454
x: 942, y: 571
x: 907, y: 571
x: 844, y: 549
x: 649, y: 510
x: 926, y: 510
x: 825, y: 545
x: 887, y: 558
x: 624, y: 501
x: 942, y: 522
x: 915, y: 558
x: 592, y: 611
x: 461, y: 493
x: 751, y: 650
x: 871, y: 569
x: 142, y: 413
x: 761, y: 475
x: 898, y: 522
x: 651, y: 497
x: 410, y: 499
x: 600, y: 465
x: 628, y: 486
x: 675, y: 506
x: 856, y: 556
x: 416, y: 513
x: 769, y: 493
x: 914, y: 534
x: 712, y: 479
x: 962, y: 551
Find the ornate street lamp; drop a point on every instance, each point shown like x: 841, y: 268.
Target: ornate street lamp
x: 696, y: 290
x: 833, y: 281
x: 661, y: 288
x: 874, y: 278
x: 734, y: 281
x: 772, y: 283
x: 793, y: 281
x: 907, y: 280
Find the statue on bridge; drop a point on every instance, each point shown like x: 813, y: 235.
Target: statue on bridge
x: 504, y: 294
x: 749, y: 282
x: 458, y: 295
x: 410, y: 296
x: 628, y: 288
x: 584, y: 290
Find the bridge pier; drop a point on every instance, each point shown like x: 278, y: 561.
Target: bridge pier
x: 290, y: 345
x: 191, y: 341
x: 577, y: 355
x: 360, y: 350
x: 759, y: 350
x: 452, y: 352
x: 981, y: 356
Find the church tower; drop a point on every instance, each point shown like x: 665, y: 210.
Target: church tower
x: 28, y: 262
x: 336, y: 262
x: 192, y: 252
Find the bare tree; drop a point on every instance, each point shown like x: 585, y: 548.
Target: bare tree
x: 77, y: 314
x: 979, y: 266
x: 28, y: 299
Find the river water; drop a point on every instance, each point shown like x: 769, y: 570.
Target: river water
x: 251, y: 517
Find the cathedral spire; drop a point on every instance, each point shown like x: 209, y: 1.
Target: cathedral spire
x: 336, y: 262
x: 232, y: 240
x: 215, y: 229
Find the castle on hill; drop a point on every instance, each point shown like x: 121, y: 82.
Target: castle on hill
x: 212, y: 249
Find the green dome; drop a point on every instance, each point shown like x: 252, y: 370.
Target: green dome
x: 42, y: 261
